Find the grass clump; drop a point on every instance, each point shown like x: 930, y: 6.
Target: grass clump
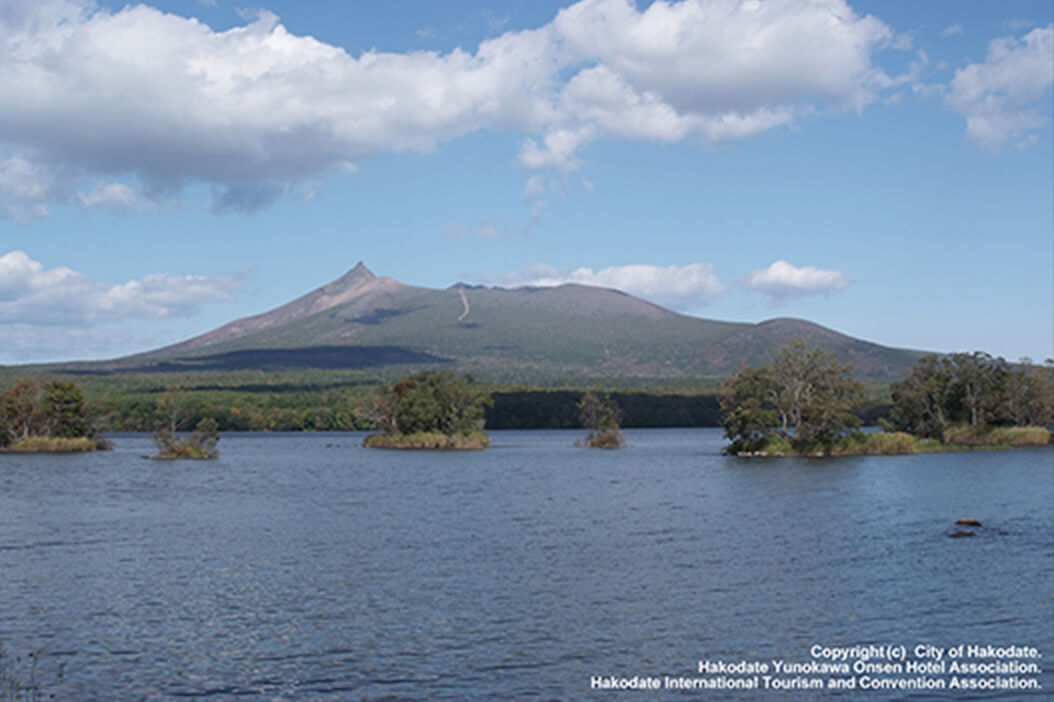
x: 996, y: 437
x: 429, y: 440
x: 929, y: 446
x: 609, y: 438
x: 773, y: 446
x: 896, y: 443
x: 855, y: 444
x: 58, y: 444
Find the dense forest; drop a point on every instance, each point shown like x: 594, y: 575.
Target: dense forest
x: 47, y: 416
x: 804, y: 394
x: 806, y: 403
x: 311, y: 401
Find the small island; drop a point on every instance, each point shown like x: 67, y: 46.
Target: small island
x: 805, y: 403
x: 47, y: 417
x: 601, y: 415
x: 200, y: 445
x: 429, y: 410
x: 172, y: 413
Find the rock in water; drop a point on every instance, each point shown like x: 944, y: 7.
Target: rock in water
x: 960, y: 534
x: 968, y: 521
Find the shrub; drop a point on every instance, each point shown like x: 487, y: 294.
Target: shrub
x: 896, y: 443
x: 200, y: 444
x: 610, y: 438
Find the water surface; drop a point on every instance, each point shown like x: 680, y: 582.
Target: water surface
x: 302, y: 566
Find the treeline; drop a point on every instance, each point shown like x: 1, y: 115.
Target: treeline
x: 805, y: 402
x: 971, y: 389
x: 559, y: 409
x: 341, y: 410
x: 46, y: 415
x: 330, y: 410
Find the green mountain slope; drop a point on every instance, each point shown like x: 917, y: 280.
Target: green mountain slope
x: 570, y: 334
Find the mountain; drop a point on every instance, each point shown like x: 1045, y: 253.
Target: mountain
x: 552, y: 335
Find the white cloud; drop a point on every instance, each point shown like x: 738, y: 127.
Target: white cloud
x: 719, y: 56
x: 534, y: 188
x: 715, y: 69
x: 783, y: 280
x: 114, y: 197
x: 953, y: 30
x: 250, y: 109
x: 26, y: 188
x: 902, y: 42
x: 162, y: 100
x: 1001, y: 98
x: 33, y: 295
x: 687, y: 285
x: 557, y: 150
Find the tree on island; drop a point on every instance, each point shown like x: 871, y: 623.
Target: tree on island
x: 65, y: 410
x: 964, y: 395
x: 601, y: 415
x: 429, y: 409
x: 48, y: 416
x: 804, y: 398
x: 172, y: 413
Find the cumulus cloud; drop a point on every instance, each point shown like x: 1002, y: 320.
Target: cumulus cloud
x: 953, y: 30
x: 250, y: 109
x: 27, y: 187
x: 782, y: 281
x: 161, y: 100
x: 33, y: 295
x: 687, y: 285
x: 1001, y: 97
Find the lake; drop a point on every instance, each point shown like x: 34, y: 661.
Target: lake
x: 304, y: 567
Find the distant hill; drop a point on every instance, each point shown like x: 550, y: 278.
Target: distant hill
x: 571, y: 334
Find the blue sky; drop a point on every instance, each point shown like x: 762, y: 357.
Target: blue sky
x: 881, y: 168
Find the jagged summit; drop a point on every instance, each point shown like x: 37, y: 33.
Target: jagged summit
x: 355, y: 276
x: 357, y: 282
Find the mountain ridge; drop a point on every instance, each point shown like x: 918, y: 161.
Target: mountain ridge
x: 505, y: 335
